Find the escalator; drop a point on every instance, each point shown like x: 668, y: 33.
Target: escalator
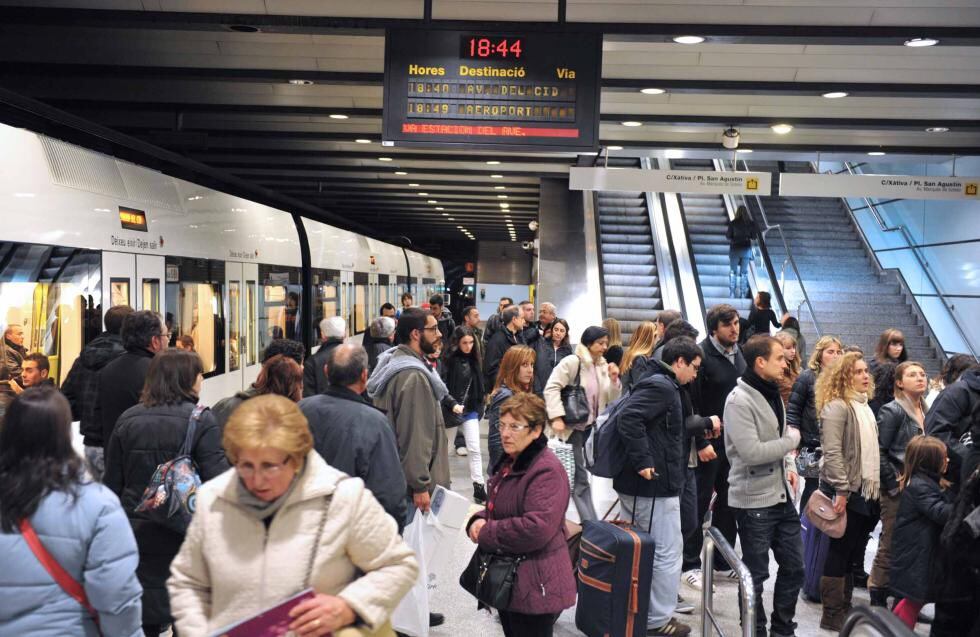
x: 630, y: 284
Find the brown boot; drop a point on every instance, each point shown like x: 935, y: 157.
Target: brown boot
x: 848, y: 593
x: 832, y: 597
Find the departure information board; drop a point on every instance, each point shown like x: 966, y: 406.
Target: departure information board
x: 531, y: 91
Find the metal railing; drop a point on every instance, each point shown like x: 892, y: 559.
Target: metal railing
x: 870, y: 206
x: 780, y: 285
x: 713, y: 539
x: 868, y: 621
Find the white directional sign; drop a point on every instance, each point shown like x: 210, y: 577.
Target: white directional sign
x: 638, y: 179
x: 879, y: 186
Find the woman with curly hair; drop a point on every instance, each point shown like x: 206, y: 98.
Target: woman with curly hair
x: 850, y: 475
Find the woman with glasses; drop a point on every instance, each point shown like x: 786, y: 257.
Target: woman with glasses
x: 147, y: 435
x: 525, y: 515
x: 282, y: 521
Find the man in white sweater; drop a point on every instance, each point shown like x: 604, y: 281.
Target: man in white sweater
x: 762, y: 479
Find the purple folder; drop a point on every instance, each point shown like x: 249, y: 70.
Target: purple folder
x: 271, y: 622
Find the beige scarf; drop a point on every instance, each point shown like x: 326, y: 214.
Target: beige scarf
x: 870, y: 459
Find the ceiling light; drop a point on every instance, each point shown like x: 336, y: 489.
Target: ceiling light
x: 689, y: 39
x: 460, y: 227
x: 614, y: 148
x: 492, y: 162
x: 632, y: 124
x: 441, y: 208
x: 937, y: 129
x: 423, y: 194
x: 301, y: 82
x: 877, y: 153
x: 432, y: 201
x: 652, y: 91
x: 921, y: 42
x: 781, y: 129
x: 363, y: 141
x: 501, y: 196
x: 414, y: 185
x: 504, y: 205
x: 338, y: 116
x: 445, y: 214
x: 743, y: 150
x: 496, y: 176
x: 400, y: 172
x: 452, y: 219
x: 833, y: 95
x: 384, y: 158
x: 500, y: 187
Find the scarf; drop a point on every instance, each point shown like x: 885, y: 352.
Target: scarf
x: 769, y: 391
x: 906, y: 404
x: 870, y: 459
x: 388, y: 367
x: 260, y: 509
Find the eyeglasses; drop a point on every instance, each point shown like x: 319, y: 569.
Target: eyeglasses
x: 516, y: 427
x: 430, y: 329
x: 266, y: 470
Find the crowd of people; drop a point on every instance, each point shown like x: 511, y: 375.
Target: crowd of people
x: 310, y: 476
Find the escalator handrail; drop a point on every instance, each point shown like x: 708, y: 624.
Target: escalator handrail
x: 885, y: 622
x: 910, y: 242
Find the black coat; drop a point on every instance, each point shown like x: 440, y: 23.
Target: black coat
x: 651, y: 426
x: 641, y: 367
x: 895, y: 429
x: 801, y: 409
x: 356, y: 438
x: 954, y: 412
x: 446, y: 326
x: 120, y: 385
x: 545, y: 360
x: 714, y: 382
x: 81, y: 386
x: 464, y: 379
x: 376, y: 348
x: 499, y: 343
x: 146, y: 437
x: 224, y: 408
x: 922, y: 513
x: 314, y: 378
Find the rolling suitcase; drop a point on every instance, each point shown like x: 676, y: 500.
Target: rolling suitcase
x: 815, y: 547
x: 614, y: 576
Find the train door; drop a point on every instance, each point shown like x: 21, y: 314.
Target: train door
x: 234, y: 311
x: 347, y: 300
x: 374, y: 297
x: 150, y: 275
x: 250, y: 324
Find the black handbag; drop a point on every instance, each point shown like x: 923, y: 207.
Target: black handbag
x: 450, y: 418
x: 490, y: 578
x: 575, y: 402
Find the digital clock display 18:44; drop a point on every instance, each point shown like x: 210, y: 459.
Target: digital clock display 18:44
x: 490, y: 47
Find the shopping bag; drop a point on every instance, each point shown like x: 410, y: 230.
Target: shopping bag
x: 566, y: 454
x: 411, y: 616
x: 441, y: 528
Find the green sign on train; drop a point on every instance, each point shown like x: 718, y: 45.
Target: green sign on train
x: 530, y: 91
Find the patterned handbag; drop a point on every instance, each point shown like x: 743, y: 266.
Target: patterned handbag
x: 808, y: 462
x: 566, y: 454
x: 171, y: 496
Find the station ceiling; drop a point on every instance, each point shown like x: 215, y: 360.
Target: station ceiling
x: 211, y: 80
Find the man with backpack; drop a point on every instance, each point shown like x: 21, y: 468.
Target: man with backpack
x: 650, y: 424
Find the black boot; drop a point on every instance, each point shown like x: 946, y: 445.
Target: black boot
x: 479, y: 493
x: 879, y: 597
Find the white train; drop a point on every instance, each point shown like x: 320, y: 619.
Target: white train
x: 81, y: 231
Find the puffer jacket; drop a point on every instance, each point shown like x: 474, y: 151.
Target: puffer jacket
x: 144, y: 438
x: 565, y: 373
x: 91, y: 540
x: 922, y: 513
x: 955, y: 412
x: 546, y: 359
x: 81, y: 386
x: 232, y: 565
x: 464, y: 379
x: 529, y: 496
x: 801, y: 409
x: 895, y: 429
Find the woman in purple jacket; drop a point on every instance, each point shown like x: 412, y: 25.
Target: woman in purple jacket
x: 525, y: 515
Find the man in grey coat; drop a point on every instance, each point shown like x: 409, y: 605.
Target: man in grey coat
x: 763, y: 479
x: 354, y: 436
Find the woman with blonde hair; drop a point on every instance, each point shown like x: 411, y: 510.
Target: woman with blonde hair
x: 516, y: 375
x: 281, y: 521
x: 588, y: 368
x: 850, y: 475
x: 801, y: 412
x: 636, y: 359
x: 792, y: 371
x: 614, y: 353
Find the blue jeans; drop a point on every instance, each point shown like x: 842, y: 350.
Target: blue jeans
x: 777, y: 528
x: 738, y: 277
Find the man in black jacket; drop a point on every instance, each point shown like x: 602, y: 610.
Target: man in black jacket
x: 494, y: 323
x: 955, y: 412
x: 333, y: 330
x: 81, y: 386
x: 144, y: 334
x: 354, y: 436
x: 652, y: 426
x: 444, y: 319
x: 723, y: 365
x: 505, y: 338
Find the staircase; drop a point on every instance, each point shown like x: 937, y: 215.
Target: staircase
x: 707, y: 221
x: 850, y: 298
x: 629, y: 267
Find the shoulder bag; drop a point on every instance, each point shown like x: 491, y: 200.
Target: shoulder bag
x: 449, y: 417
x: 574, y: 400
x: 67, y: 583
x: 820, y: 511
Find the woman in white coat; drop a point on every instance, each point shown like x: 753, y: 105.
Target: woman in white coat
x: 283, y: 520
x: 601, y: 382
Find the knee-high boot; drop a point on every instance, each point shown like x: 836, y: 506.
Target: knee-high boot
x: 832, y: 596
x: 848, y: 592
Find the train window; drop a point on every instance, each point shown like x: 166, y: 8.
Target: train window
x: 251, y: 339
x: 326, y: 303
x: 119, y: 291
x: 195, y: 308
x: 151, y: 295
x: 54, y: 294
x: 234, y: 326
x: 279, y: 303
x: 360, y: 317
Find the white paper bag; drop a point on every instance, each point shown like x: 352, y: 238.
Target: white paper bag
x: 411, y: 617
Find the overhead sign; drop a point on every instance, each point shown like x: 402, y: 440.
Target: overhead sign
x: 638, y: 179
x: 132, y: 219
x: 879, y: 186
x: 531, y: 91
